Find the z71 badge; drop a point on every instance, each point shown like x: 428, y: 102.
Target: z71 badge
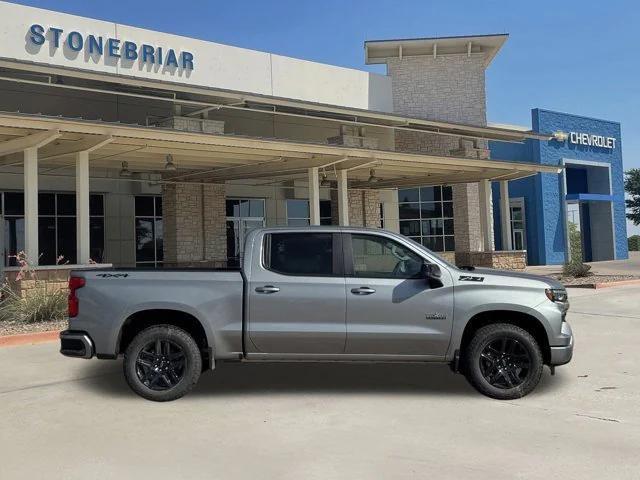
x: 112, y: 275
x: 470, y: 278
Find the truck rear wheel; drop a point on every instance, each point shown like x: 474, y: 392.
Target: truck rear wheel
x: 162, y: 363
x: 503, y: 361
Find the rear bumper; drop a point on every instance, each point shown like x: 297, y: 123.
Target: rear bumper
x: 74, y: 343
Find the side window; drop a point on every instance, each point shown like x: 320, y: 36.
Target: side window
x: 299, y: 253
x: 379, y: 257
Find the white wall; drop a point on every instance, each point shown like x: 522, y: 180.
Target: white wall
x: 215, y: 65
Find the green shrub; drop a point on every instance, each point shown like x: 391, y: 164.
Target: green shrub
x: 575, y: 243
x: 576, y: 269
x: 634, y: 243
x: 39, y: 305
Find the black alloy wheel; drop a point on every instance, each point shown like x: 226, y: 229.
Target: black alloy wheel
x: 160, y: 364
x: 505, y: 363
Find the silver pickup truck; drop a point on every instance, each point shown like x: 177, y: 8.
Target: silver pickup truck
x: 321, y: 294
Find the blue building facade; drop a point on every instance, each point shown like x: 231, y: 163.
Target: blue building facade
x: 589, y: 192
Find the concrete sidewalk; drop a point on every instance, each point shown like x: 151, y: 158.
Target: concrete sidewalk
x: 71, y: 419
x: 611, y: 267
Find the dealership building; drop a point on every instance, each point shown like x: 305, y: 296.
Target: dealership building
x: 132, y: 147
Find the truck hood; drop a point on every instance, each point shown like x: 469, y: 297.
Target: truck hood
x: 510, y: 277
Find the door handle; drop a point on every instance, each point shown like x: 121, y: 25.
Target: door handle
x: 363, y: 291
x: 267, y: 289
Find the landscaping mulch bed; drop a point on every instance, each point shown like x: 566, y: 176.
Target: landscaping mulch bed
x: 16, y: 328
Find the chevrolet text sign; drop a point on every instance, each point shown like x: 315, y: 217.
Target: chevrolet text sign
x: 590, y: 140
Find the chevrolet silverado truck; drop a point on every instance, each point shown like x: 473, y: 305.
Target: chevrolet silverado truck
x: 320, y: 294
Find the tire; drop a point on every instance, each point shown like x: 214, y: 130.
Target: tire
x: 503, y: 361
x: 162, y: 363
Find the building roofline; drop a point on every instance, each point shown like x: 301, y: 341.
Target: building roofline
x: 488, y: 45
x: 603, y: 120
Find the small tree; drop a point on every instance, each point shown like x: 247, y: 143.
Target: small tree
x: 632, y: 187
x: 575, y: 243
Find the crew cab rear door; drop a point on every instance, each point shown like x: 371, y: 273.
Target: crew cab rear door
x: 391, y: 307
x: 296, y: 294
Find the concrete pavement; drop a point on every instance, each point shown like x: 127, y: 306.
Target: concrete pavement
x: 631, y: 266
x: 74, y: 419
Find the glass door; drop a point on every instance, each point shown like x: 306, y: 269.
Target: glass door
x: 518, y: 229
x: 243, y: 215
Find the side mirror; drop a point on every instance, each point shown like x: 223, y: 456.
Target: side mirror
x: 432, y: 271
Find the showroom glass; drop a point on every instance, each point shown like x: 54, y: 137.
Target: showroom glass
x: 56, y: 227
x: 379, y: 257
x: 426, y: 215
x: 298, y: 214
x: 149, y: 230
x: 299, y: 253
x: 243, y: 215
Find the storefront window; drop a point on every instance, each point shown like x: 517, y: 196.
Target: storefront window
x: 426, y: 215
x: 56, y: 227
x: 149, y: 231
x: 299, y: 215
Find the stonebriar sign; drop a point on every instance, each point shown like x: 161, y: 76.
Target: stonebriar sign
x: 97, y: 45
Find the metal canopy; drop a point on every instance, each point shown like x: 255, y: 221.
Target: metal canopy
x: 220, y: 158
x: 196, y: 100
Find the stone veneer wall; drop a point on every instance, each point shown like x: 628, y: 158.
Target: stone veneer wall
x: 448, y: 88
x: 364, y: 208
x: 51, y: 279
x: 194, y: 224
x: 502, y: 260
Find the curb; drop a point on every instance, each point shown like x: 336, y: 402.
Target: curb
x: 29, y: 338
x: 606, y: 284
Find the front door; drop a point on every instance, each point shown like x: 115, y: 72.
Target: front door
x: 296, y: 295
x: 391, y: 308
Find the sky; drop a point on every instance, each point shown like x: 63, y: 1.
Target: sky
x: 578, y: 57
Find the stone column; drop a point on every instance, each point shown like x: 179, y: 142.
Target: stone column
x: 182, y: 217
x: 449, y: 88
x: 215, y: 223
x: 364, y: 208
x: 194, y: 220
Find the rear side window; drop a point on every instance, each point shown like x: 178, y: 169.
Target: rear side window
x: 300, y: 253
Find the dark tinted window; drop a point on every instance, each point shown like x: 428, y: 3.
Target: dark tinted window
x: 300, y: 253
x: 96, y: 206
x: 144, y: 206
x: 66, y: 204
x: 13, y: 203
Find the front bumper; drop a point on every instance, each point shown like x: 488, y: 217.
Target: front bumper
x: 74, y: 343
x: 563, y: 354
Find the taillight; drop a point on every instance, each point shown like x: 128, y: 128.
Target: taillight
x: 74, y: 303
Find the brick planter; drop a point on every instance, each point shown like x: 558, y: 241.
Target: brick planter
x: 52, y: 277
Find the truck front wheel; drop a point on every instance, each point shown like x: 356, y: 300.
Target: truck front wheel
x: 503, y: 361
x: 162, y: 363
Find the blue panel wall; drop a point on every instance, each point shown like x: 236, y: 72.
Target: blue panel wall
x: 546, y: 230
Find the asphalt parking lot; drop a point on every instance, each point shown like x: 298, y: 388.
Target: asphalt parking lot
x: 74, y: 419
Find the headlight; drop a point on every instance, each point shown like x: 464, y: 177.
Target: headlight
x: 557, y: 295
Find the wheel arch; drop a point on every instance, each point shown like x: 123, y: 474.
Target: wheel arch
x: 526, y: 321
x: 137, y: 321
